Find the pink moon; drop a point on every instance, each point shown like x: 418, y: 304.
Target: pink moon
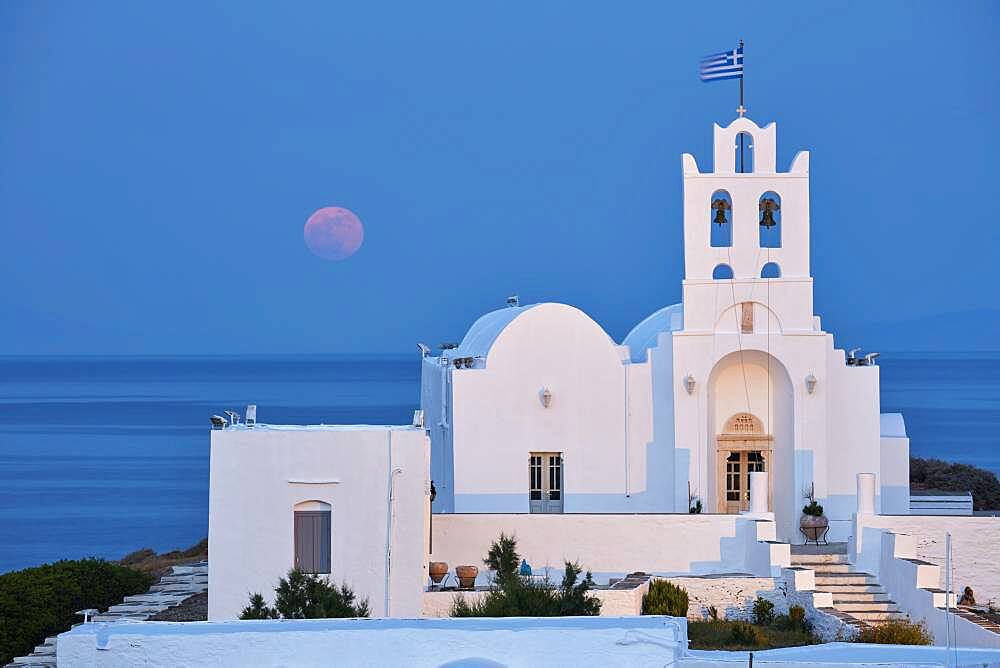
x: 334, y: 233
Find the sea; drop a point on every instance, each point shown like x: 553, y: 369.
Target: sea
x: 100, y: 456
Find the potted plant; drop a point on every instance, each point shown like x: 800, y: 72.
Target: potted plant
x: 437, y: 571
x: 466, y: 576
x: 812, y: 516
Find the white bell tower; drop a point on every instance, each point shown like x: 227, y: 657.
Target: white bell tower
x: 764, y: 253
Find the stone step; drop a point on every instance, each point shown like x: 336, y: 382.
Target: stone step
x: 135, y: 609
x: 815, y: 559
x: 860, y: 597
x: 191, y: 569
x: 44, y: 650
x: 845, y: 578
x: 179, y: 586
x: 837, y: 589
x: 872, y: 616
x: 184, y: 579
x: 883, y: 606
x: 821, y: 569
x: 156, y: 597
x: 25, y: 661
x: 115, y: 617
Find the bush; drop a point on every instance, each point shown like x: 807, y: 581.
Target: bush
x: 42, y: 601
x: 746, y: 635
x: 949, y: 477
x: 896, y: 632
x: 306, y: 596
x: 813, y: 508
x: 797, y: 617
x: 763, y: 612
x: 514, y: 595
x: 665, y: 598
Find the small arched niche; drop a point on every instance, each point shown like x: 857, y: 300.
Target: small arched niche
x: 770, y: 220
x: 744, y: 153
x: 721, y: 219
x: 722, y: 272
x: 770, y: 270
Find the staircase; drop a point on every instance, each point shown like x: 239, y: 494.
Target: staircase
x: 181, y: 583
x: 857, y: 597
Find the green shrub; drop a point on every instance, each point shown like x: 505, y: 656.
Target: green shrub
x: 746, y: 635
x: 896, y: 632
x: 514, y: 595
x: 42, y: 601
x: 813, y: 508
x: 713, y: 613
x: 306, y: 596
x: 665, y: 598
x: 797, y: 617
x: 763, y: 612
x: 947, y: 476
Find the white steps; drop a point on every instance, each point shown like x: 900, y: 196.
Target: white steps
x: 857, y: 597
x: 181, y: 583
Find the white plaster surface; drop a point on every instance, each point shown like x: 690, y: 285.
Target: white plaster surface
x: 614, y: 602
x: 607, y: 545
x: 974, y: 544
x: 259, y: 475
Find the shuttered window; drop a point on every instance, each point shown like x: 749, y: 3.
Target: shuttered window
x: 312, y: 541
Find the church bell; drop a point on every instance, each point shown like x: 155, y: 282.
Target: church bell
x: 768, y: 207
x: 720, y: 206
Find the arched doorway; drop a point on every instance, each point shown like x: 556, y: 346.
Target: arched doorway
x: 741, y: 449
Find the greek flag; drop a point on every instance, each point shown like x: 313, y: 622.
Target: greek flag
x: 724, y: 65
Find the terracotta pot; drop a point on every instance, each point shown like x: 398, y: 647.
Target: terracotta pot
x: 466, y: 576
x: 437, y: 571
x: 813, y: 521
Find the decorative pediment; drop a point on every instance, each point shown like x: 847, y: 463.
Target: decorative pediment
x: 744, y: 427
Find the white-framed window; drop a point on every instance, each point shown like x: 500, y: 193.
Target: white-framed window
x: 545, y: 482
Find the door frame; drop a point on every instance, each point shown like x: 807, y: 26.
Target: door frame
x: 744, y: 432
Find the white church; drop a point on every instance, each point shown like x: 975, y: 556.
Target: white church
x: 630, y: 456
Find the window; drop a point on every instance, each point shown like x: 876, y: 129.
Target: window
x: 770, y: 270
x: 545, y: 482
x: 770, y: 220
x: 312, y: 536
x: 722, y: 271
x: 744, y: 153
x: 721, y: 219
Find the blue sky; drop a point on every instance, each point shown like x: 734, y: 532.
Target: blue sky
x: 158, y: 162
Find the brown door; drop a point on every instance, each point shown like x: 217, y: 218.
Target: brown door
x: 736, y: 469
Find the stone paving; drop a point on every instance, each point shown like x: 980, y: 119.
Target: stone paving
x: 181, y: 583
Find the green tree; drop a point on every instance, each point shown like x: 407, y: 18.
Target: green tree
x: 665, y: 598
x: 306, y: 596
x: 514, y: 595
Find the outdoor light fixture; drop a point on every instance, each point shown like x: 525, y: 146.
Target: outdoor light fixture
x: 810, y: 383
x: 689, y: 383
x: 545, y: 396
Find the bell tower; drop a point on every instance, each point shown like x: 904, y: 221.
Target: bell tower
x: 764, y: 253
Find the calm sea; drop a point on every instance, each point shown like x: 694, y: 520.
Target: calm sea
x: 104, y: 455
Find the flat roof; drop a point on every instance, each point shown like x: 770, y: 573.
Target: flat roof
x: 320, y: 427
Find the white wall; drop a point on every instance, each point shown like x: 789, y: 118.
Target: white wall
x: 601, y: 424
x: 259, y: 474
x: 607, y: 545
x: 894, y: 483
x: 585, y: 641
x: 973, y: 546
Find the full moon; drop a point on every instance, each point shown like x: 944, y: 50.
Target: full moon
x: 333, y: 233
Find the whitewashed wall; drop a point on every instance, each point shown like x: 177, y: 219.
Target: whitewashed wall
x: 607, y: 545
x: 258, y: 475
x: 974, y: 541
x: 601, y: 423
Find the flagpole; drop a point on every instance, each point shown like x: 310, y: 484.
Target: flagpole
x: 741, y: 110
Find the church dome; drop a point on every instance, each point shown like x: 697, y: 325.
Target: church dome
x: 644, y: 335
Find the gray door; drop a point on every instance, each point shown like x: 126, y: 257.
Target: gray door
x: 545, y: 482
x: 312, y: 541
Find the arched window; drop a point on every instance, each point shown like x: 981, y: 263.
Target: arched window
x: 744, y: 153
x: 722, y: 219
x: 770, y: 270
x: 770, y: 220
x: 313, y: 538
x: 722, y: 271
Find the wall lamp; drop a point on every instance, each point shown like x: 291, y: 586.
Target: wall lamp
x: 545, y: 396
x: 689, y: 383
x: 810, y: 383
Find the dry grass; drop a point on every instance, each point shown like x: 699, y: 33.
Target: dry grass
x: 737, y: 635
x: 157, y: 565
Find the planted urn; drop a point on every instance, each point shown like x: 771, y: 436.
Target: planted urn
x: 466, y: 576
x: 437, y: 570
x: 812, y: 516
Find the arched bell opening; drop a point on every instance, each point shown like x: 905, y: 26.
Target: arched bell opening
x: 770, y: 270
x: 770, y: 220
x: 722, y: 272
x: 721, y: 225
x: 744, y: 153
